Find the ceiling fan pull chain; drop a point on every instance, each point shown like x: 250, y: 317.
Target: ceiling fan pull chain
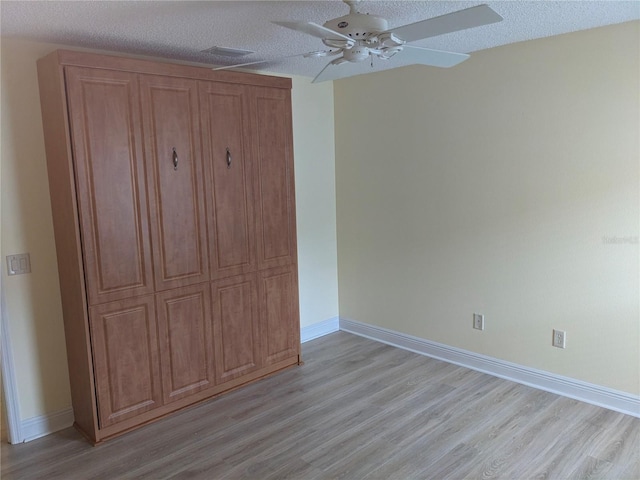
x: 228, y: 158
x: 175, y: 159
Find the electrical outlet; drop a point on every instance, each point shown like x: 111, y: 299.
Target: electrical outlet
x: 559, y: 339
x: 478, y: 321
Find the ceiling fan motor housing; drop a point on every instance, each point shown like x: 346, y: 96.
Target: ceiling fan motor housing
x: 358, y: 25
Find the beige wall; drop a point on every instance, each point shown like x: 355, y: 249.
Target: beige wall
x: 489, y: 188
x: 33, y: 301
x: 314, y: 151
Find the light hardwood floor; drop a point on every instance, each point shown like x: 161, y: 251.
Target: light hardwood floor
x: 357, y: 409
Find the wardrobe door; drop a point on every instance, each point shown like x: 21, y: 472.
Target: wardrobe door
x: 275, y: 177
x: 225, y: 121
x: 104, y: 110
x: 186, y: 342
x: 279, y: 317
x: 175, y: 179
x: 125, y: 358
x: 236, y: 333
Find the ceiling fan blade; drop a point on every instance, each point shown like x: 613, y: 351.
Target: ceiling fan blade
x: 315, y: 30
x: 451, y: 22
x: 409, y: 55
x: 321, y: 53
x: 428, y: 56
x: 331, y: 72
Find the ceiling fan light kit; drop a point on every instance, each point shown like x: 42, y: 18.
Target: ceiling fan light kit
x: 358, y: 37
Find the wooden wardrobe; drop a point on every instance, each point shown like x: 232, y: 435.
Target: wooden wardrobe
x: 172, y: 193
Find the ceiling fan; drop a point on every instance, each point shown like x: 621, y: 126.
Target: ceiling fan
x: 357, y: 37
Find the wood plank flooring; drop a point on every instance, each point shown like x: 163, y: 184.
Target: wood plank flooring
x: 357, y: 409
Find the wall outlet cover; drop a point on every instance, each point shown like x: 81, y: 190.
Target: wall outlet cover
x: 559, y: 339
x: 478, y: 321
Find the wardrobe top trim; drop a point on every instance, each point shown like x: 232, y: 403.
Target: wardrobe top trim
x: 111, y: 62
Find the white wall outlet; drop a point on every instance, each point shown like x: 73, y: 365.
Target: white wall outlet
x: 559, y: 339
x: 478, y: 321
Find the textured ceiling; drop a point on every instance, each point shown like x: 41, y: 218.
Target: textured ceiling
x: 181, y: 29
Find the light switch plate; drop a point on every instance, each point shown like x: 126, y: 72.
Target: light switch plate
x: 18, y: 264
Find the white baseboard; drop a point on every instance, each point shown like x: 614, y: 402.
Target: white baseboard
x: 587, y: 392
x: 36, y: 427
x: 319, y: 329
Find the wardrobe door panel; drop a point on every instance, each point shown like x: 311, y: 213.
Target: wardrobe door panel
x: 126, y: 363
x: 175, y: 179
x: 236, y: 333
x: 275, y: 177
x: 185, y: 339
x: 105, y: 124
x: 225, y: 121
x: 279, y: 321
